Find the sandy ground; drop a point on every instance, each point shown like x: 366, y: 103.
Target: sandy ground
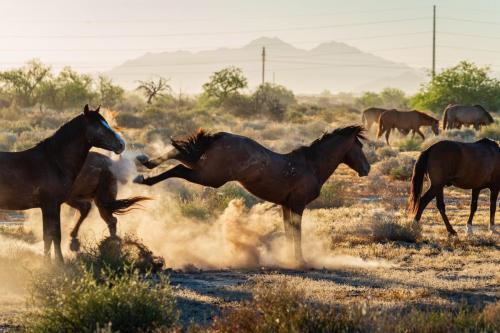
x: 435, y: 272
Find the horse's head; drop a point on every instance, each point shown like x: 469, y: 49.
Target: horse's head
x: 99, y: 134
x: 355, y: 158
x: 435, y: 126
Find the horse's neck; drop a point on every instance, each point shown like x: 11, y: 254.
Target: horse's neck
x: 328, y: 157
x: 69, y: 153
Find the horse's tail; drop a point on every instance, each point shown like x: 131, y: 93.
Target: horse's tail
x: 445, y: 117
x: 123, y: 206
x: 417, y: 181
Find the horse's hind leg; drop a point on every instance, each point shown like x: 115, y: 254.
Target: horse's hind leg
x: 424, y: 201
x: 106, y: 191
x: 473, y: 208
x: 442, y: 210
x: 179, y: 171
x: 387, y: 134
x: 152, y: 163
x: 84, y: 208
x: 493, y: 207
x: 108, y: 217
x: 420, y: 133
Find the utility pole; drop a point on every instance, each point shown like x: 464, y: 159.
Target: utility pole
x: 434, y: 42
x: 263, y: 64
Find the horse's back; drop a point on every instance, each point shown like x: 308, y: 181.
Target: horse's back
x: 465, y: 165
x: 469, y: 114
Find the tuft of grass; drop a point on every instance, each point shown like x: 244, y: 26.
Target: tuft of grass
x: 398, y: 168
x: 386, y: 228
x: 410, y: 144
x: 19, y: 233
x: 331, y: 196
x: 119, y: 255
x: 491, y: 131
x: 74, y: 301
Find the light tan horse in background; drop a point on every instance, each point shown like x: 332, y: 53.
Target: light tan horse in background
x: 371, y: 116
x: 405, y: 121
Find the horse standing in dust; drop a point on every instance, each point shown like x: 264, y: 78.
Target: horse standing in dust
x: 474, y: 166
x: 43, y: 176
x: 405, y: 121
x: 455, y: 116
x: 97, y: 182
x: 291, y: 180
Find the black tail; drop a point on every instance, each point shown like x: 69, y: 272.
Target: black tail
x: 123, y: 206
x: 191, y: 147
x: 417, y: 180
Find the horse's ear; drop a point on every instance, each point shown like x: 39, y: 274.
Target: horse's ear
x: 98, y: 108
x: 86, y: 109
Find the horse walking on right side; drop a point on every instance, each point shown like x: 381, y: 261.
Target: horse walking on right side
x: 473, y: 166
x: 456, y: 116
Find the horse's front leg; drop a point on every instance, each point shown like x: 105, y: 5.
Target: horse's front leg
x: 493, y: 207
x: 51, y: 214
x: 473, y: 208
x: 420, y: 133
x: 296, y: 232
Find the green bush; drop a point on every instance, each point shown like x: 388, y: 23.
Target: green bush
x: 387, y: 228
x: 331, y: 196
x: 410, y: 144
x: 69, y: 301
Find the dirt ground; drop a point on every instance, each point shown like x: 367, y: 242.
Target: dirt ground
x: 435, y: 272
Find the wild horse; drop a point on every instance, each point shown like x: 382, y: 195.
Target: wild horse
x: 98, y: 183
x: 291, y: 180
x: 43, y: 176
x: 474, y: 166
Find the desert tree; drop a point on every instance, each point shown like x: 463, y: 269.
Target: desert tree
x: 224, y: 83
x: 109, y: 93
x: 153, y: 89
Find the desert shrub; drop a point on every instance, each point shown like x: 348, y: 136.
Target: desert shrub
x: 409, y: 144
x: 389, y: 227
x: 11, y: 112
x: 285, y: 309
x: 240, y: 105
x: 272, y: 100
x: 399, y: 167
x: 331, y: 196
x: 118, y: 255
x: 129, y: 120
x: 19, y: 233
x: 491, y: 131
x: 7, y: 141
x: 386, y: 152
x: 74, y: 301
x: 466, y: 134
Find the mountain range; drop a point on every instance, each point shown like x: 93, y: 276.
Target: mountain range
x: 330, y: 66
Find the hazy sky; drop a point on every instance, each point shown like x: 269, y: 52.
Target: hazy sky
x: 93, y: 35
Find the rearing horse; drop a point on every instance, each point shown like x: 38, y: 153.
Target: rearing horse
x: 43, y: 176
x: 291, y: 180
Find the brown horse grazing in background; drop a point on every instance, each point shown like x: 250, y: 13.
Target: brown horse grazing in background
x: 455, y: 116
x: 43, y: 176
x: 291, y: 180
x: 405, y: 121
x: 97, y: 182
x: 472, y: 166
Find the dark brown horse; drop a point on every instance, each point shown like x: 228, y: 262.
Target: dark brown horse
x: 291, y: 180
x: 405, y: 121
x: 474, y: 166
x: 43, y: 176
x: 97, y: 182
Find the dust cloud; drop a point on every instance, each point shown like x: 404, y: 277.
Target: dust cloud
x: 239, y: 237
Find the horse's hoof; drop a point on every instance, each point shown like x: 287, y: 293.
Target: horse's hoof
x: 142, y: 158
x: 74, y: 245
x: 469, y: 230
x: 139, y: 179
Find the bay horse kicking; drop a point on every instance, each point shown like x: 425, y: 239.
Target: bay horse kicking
x: 474, y: 166
x: 291, y: 180
x: 405, y: 121
x: 43, y: 176
x: 98, y: 183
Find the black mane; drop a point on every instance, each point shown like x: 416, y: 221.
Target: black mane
x: 65, y: 133
x: 342, y: 131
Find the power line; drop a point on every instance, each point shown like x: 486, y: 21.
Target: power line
x: 467, y: 20
x: 210, y: 33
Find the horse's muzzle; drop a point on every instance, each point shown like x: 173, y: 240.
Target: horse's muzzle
x: 364, y: 172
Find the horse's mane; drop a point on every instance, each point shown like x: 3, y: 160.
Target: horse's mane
x: 65, y: 133
x: 192, y: 146
x: 490, y: 118
x: 343, y: 131
x: 425, y: 115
